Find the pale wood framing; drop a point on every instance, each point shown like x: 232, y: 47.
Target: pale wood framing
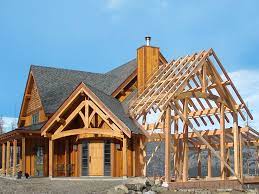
x: 198, y: 94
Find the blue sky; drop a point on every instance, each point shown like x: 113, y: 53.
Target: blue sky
x: 100, y: 35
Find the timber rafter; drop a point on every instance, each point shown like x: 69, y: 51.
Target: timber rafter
x: 91, y: 116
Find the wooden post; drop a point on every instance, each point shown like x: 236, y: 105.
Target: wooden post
x: 168, y: 145
x: 228, y: 161
x: 176, y: 151
x: 236, y: 144
x: 124, y: 153
x: 23, y: 156
x: 133, y: 157
x: 222, y: 142
x: 113, y: 174
x: 185, y: 139
x: 3, y: 158
x: 66, y: 156
x: 14, y: 156
x: 209, y: 164
x: 8, y: 158
x: 51, y: 151
x: 241, y: 156
x: 142, y: 155
x: 199, y: 162
x: 79, y: 159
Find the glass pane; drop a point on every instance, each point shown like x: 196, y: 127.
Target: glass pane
x: 107, y: 158
x: 84, y: 158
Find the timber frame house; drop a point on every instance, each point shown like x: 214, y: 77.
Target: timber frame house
x: 75, y: 123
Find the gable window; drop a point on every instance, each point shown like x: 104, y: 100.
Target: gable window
x: 35, y: 118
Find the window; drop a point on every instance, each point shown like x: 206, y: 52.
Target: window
x: 107, y: 158
x: 35, y: 118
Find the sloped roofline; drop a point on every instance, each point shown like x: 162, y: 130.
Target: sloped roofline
x: 82, y: 87
x: 29, y: 77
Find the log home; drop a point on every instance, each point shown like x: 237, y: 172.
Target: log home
x: 75, y: 123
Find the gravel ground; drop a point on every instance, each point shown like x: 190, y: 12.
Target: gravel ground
x: 45, y: 185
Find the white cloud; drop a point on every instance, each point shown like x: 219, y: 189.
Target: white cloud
x: 8, y: 122
x: 247, y: 83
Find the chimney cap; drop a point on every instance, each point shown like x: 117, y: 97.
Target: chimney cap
x: 148, y: 39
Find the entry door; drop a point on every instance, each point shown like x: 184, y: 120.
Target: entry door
x: 96, y: 158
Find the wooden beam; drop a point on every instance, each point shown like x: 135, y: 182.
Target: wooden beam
x: 124, y: 157
x: 113, y: 170
x: 81, y: 131
x: 228, y: 161
x: 23, y: 156
x: 204, y: 140
x: 66, y: 156
x: 209, y: 164
x: 185, y: 140
x: 14, y: 156
x: 233, y: 86
x: 134, y: 156
x: 51, y: 152
x: 236, y: 144
x: 241, y: 156
x: 176, y: 150
x: 3, y: 157
x: 8, y: 158
x: 204, y: 78
x: 199, y: 162
x: 70, y: 117
x: 222, y: 142
x: 168, y: 145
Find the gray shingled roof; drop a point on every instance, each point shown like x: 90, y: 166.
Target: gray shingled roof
x: 55, y: 85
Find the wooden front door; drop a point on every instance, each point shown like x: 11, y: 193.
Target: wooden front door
x: 96, y: 158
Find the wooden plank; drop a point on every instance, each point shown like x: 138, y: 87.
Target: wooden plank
x: 51, y: 152
x: 168, y: 145
x: 124, y: 156
x: 222, y: 142
x: 23, y: 156
x: 14, y: 156
x: 8, y: 158
x: 3, y: 158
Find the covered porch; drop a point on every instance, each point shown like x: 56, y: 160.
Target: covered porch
x: 23, y: 151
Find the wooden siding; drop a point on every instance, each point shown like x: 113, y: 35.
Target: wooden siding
x: 148, y: 62
x: 31, y: 104
x: 34, y: 102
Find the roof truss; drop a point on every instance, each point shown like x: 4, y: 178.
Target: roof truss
x: 194, y: 77
x: 84, y: 106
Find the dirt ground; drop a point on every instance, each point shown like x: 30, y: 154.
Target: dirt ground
x: 45, y: 185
